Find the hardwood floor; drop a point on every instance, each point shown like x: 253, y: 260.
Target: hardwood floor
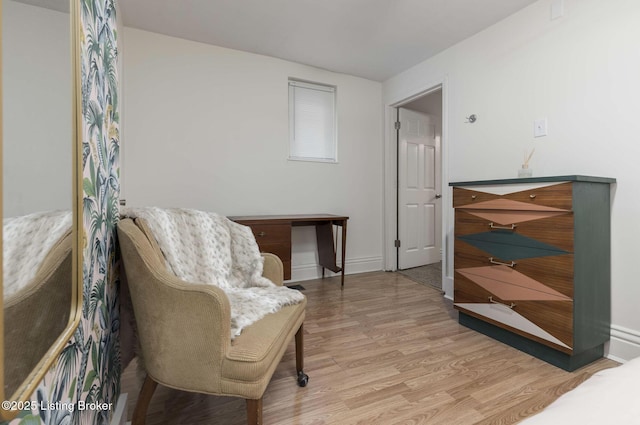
x: 385, y: 350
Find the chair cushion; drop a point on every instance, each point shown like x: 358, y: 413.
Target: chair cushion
x: 255, y: 354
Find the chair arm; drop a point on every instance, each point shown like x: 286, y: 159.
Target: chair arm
x: 273, y: 268
x: 185, y: 325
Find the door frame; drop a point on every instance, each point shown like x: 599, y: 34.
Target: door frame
x: 391, y: 180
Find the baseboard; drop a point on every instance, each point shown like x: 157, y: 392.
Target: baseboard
x: 302, y: 272
x: 624, y: 344
x: 447, y: 287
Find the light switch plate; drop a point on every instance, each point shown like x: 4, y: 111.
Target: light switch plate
x: 540, y: 127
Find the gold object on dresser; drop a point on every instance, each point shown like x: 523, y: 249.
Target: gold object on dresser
x: 532, y: 264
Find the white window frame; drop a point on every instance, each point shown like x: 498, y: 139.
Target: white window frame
x: 329, y: 144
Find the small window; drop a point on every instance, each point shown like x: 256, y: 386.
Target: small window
x: 312, y: 122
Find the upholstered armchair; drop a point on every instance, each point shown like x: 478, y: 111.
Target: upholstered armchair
x: 47, y: 296
x: 184, y: 330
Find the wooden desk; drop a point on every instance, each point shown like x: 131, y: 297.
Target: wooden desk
x: 273, y: 234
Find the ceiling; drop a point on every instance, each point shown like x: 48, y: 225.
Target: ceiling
x: 374, y: 39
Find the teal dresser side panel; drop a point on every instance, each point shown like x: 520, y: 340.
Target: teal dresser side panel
x: 592, y: 246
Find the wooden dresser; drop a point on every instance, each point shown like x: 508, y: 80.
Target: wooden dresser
x: 532, y: 264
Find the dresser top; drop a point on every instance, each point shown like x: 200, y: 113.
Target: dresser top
x: 574, y: 178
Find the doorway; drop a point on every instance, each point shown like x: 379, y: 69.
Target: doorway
x: 419, y: 185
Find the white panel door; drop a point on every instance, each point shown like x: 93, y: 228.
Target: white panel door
x: 418, y: 184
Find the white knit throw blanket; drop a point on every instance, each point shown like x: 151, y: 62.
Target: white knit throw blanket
x: 26, y: 242
x: 203, y: 247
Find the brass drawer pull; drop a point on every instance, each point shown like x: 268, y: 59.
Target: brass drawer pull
x: 532, y: 196
x: 492, y: 261
x: 510, y: 306
x: 493, y: 226
x: 261, y: 234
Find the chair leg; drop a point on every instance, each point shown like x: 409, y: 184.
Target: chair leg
x: 144, y: 398
x: 303, y: 378
x: 254, y: 412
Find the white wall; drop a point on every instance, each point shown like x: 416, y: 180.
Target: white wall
x: 37, y: 121
x: 582, y: 72
x: 207, y: 128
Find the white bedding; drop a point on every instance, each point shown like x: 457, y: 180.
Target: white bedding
x: 611, y: 396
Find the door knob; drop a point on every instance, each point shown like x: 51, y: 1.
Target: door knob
x: 438, y: 196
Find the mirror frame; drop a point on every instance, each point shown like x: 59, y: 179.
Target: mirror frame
x: 26, y: 389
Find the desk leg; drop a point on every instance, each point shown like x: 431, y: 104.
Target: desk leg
x: 344, y: 248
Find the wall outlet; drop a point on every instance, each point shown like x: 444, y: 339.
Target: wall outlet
x: 540, y: 127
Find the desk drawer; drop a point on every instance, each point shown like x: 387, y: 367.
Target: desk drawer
x: 275, y: 239
x: 271, y: 233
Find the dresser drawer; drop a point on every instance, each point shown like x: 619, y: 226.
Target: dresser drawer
x: 556, y: 231
x: 555, y: 196
x: 468, y: 197
x: 547, y: 321
x: 558, y: 196
x: 554, y: 272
